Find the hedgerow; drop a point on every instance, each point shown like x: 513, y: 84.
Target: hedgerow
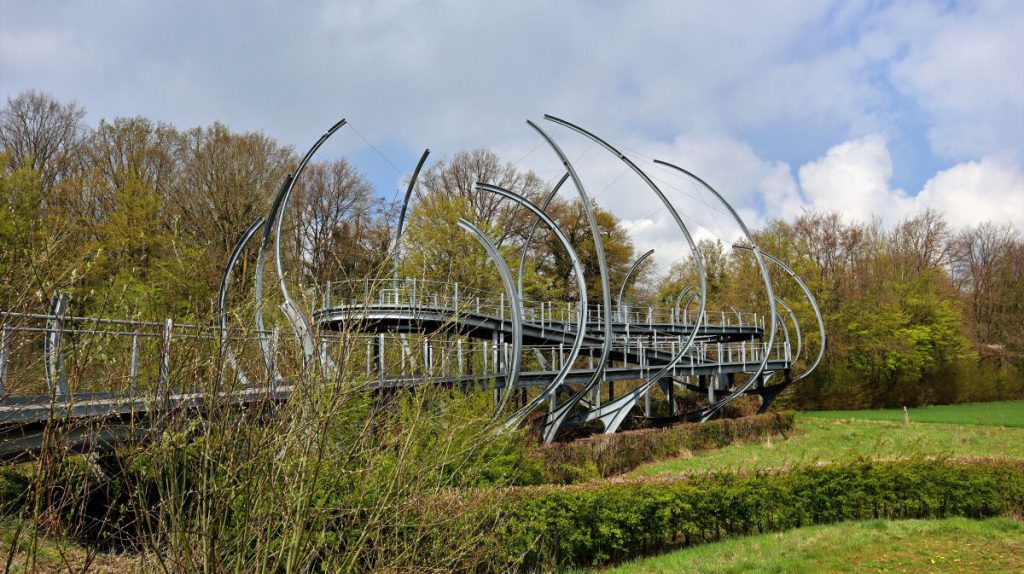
x: 607, y: 455
x: 587, y: 525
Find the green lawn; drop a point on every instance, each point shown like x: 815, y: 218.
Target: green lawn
x: 950, y: 545
x: 825, y: 440
x: 1006, y: 413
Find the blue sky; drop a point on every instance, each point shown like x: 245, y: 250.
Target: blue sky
x: 875, y: 109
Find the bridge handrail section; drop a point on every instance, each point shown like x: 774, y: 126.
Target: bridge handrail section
x: 414, y: 293
x: 380, y: 355
x: 148, y: 342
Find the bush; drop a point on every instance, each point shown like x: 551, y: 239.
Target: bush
x: 607, y: 455
x: 594, y: 524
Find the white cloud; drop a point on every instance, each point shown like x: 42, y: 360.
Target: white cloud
x: 970, y: 193
x: 853, y: 179
x: 963, y: 66
x: 741, y: 101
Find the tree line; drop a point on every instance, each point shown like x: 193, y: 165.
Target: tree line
x: 137, y: 218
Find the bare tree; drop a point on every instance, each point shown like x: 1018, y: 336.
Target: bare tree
x: 227, y: 181
x: 986, y: 269
x: 338, y: 226
x: 42, y: 133
x: 454, y: 178
x: 923, y: 240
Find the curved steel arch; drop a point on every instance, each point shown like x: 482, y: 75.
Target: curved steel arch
x: 814, y: 305
x: 222, y: 301
x: 796, y: 324
x: 625, y: 280
x: 405, y: 207
x: 274, y: 223
x: 556, y: 418
x: 614, y: 416
x: 712, y: 409
x: 581, y: 286
x: 679, y: 298
x: 517, y: 317
x: 533, y: 229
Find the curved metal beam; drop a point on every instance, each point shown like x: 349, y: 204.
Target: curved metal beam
x: 796, y: 324
x: 556, y: 418
x: 274, y: 224
x: 261, y: 328
x: 53, y: 362
x: 680, y: 298
x: 613, y: 419
x: 625, y: 280
x: 517, y: 317
x: 533, y: 229
x: 581, y: 286
x: 814, y: 305
x: 712, y: 409
x: 222, y: 299
x: 401, y: 214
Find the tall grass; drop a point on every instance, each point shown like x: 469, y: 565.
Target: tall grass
x: 342, y: 476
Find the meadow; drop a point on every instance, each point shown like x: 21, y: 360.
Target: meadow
x: 945, y: 545
x: 937, y: 545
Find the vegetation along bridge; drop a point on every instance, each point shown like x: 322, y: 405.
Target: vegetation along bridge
x: 554, y: 364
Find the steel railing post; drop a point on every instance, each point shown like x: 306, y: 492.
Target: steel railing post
x: 133, y: 373
x: 5, y: 348
x: 165, y: 356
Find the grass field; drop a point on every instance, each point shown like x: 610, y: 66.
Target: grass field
x: 951, y: 545
x: 825, y: 440
x: 1006, y: 413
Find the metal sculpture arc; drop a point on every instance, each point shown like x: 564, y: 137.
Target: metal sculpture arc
x: 554, y: 364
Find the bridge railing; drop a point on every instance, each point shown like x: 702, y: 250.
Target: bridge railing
x: 421, y: 294
x: 63, y: 356
x: 422, y: 358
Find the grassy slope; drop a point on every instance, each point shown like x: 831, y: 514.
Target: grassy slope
x: 955, y: 545
x: 1006, y: 413
x: 54, y: 554
x: 824, y: 440
x: 950, y: 545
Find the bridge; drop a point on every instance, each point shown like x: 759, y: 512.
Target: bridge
x: 556, y: 363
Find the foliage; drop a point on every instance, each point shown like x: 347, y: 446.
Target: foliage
x: 596, y: 524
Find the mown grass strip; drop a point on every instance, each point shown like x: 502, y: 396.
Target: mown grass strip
x: 602, y: 456
x: 817, y: 440
x: 1003, y: 413
x: 962, y: 545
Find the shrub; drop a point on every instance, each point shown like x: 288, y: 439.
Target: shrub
x: 594, y: 524
x: 608, y: 455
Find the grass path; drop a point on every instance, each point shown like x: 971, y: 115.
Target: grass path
x: 950, y: 545
x: 825, y: 440
x: 1005, y: 413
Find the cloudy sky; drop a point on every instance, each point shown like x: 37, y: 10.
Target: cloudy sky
x: 872, y: 108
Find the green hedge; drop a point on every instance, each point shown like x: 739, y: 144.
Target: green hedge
x: 598, y: 523
x: 607, y: 455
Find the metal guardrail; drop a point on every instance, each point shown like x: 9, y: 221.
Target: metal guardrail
x: 413, y: 293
